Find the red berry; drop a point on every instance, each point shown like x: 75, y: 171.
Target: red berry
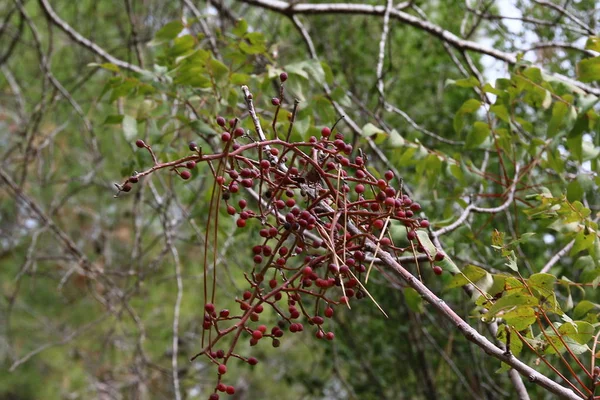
x: 381, y: 184
x: 385, y: 241
x: 264, y: 164
x: 221, y: 387
x: 283, y: 77
x: 226, y: 137
x: 378, y: 224
x: 415, y: 207
x: 230, y: 390
x: 222, y: 369
x: 437, y: 270
x: 389, y: 175
x: 126, y: 187
x: 275, y: 101
x: 329, y: 336
x: 240, y: 223
x: 221, y: 121
x: 134, y: 179
x: 224, y: 313
x: 192, y: 146
x: 411, y: 235
x: 185, y: 175
x: 326, y: 132
x: 439, y: 256
x: 424, y: 223
x: 140, y: 143
x: 190, y: 164
x: 328, y: 312
x: 242, y: 203
x: 252, y: 361
x: 210, y: 308
x: 238, y: 132
x: 230, y: 210
x: 213, y: 396
x: 257, y: 335
x: 360, y: 188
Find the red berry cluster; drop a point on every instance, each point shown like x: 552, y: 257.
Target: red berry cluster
x: 315, y: 207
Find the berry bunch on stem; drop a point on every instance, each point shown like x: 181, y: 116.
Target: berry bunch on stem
x: 316, y: 207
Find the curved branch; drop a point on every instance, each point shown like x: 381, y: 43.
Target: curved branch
x: 88, y: 44
x: 290, y: 9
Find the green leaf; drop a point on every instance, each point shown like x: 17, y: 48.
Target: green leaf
x: 395, y: 139
x: 580, y: 331
x: 467, y: 83
x: 219, y: 70
x: 129, y: 127
x: 583, y: 241
x: 470, y: 274
x: 181, y: 45
x: 559, y: 111
x: 583, y: 308
x: 239, y: 79
x: 478, y: 134
x: 308, y: 69
x: 253, y: 43
x: 241, y: 27
x: 370, y: 130
x: 106, y: 66
x: 516, y: 345
x: 520, y: 318
x: 114, y: 119
x: 509, y: 302
x: 413, y: 300
x: 468, y: 107
x: 168, y: 32
x: 588, y: 70
x: 501, y: 112
x: 593, y: 43
x: 574, y: 191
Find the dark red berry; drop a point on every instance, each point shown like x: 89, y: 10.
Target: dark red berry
x: 224, y: 313
x: 230, y: 390
x: 329, y: 336
x: 230, y: 210
x: 437, y: 270
x: 192, y: 146
x: 140, y: 143
x: 240, y: 223
x: 275, y: 101
x: 328, y: 312
x: 214, y: 396
x: 238, y: 132
x: 283, y: 77
x: 439, y: 256
x: 226, y: 137
x: 134, y: 179
x: 389, y: 175
x: 264, y: 164
x: 424, y: 223
x: 126, y: 187
x: 252, y: 361
x: 325, y: 132
x: 222, y: 369
x: 185, y: 175
x: 411, y: 235
x: 190, y: 164
x: 221, y: 121
x: 210, y: 308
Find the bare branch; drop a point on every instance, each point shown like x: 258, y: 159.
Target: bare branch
x: 88, y: 44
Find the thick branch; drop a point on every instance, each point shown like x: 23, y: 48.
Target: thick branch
x: 291, y: 9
